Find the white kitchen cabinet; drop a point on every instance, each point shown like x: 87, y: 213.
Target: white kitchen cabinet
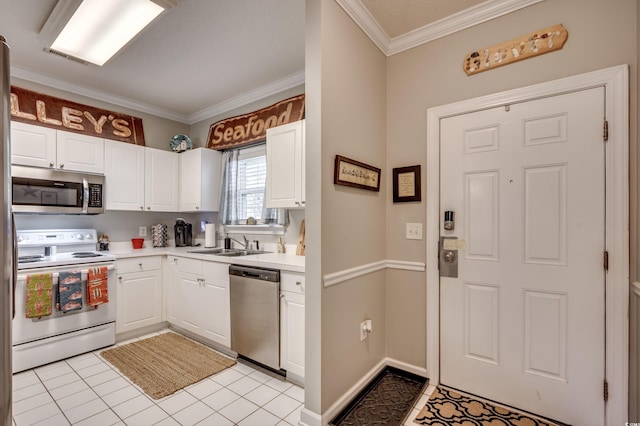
x: 285, y: 166
x: 33, y: 145
x: 200, y: 172
x: 292, y: 311
x: 161, y: 170
x: 124, y: 176
x: 39, y: 146
x: 140, y: 178
x: 79, y: 152
x: 200, y: 301
x: 139, y: 293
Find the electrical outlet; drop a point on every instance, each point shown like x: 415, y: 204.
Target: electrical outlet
x: 365, y: 329
x: 414, y: 231
x: 142, y: 231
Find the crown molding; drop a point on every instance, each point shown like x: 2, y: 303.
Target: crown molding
x: 97, y: 94
x: 478, y: 14
x: 273, y: 88
x: 361, y: 16
x: 262, y: 92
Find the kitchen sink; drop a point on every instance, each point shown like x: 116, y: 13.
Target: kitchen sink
x: 214, y: 250
x: 227, y: 252
x: 242, y: 253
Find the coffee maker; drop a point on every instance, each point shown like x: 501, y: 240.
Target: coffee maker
x: 183, y: 233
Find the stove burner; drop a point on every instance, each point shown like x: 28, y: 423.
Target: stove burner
x: 83, y: 254
x: 30, y: 259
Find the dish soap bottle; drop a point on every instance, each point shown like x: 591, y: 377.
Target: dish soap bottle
x: 280, y: 246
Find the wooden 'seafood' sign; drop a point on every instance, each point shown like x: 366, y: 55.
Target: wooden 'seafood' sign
x: 245, y: 129
x: 48, y: 111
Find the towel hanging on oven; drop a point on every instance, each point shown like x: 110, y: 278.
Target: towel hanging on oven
x: 97, y: 286
x: 39, y: 296
x: 69, y: 295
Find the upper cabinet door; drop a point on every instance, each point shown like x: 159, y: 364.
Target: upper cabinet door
x: 80, y: 153
x: 124, y: 176
x: 33, y: 145
x: 200, y: 180
x: 161, y: 180
x: 285, y: 166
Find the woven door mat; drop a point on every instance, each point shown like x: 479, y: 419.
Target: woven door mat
x: 387, y: 400
x: 450, y: 408
x: 164, y: 364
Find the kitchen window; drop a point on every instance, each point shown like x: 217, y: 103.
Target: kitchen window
x: 243, y: 192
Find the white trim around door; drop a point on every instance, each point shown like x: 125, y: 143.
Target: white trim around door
x: 615, y: 80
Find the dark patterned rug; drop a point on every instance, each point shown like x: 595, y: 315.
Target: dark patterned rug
x: 448, y: 408
x: 387, y: 400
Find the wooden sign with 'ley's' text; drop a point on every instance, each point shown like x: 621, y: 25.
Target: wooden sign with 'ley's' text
x: 47, y: 111
x: 245, y: 129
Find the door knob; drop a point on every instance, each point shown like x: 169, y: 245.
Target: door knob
x: 449, y: 256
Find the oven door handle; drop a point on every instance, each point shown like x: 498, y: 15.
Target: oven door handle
x: 85, y: 196
x: 57, y: 274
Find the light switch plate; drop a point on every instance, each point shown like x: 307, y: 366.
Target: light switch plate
x: 414, y: 231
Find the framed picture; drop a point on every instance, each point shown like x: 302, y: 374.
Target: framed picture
x: 353, y: 173
x: 406, y: 184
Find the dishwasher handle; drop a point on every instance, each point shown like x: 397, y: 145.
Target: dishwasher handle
x: 251, y: 272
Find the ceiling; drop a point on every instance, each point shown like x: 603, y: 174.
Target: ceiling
x: 205, y: 57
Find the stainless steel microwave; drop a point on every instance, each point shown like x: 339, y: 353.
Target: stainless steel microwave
x: 56, y: 192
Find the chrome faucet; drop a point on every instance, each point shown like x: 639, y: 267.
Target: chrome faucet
x: 245, y: 243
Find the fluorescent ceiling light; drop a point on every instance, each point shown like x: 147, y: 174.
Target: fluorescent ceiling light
x: 100, y: 28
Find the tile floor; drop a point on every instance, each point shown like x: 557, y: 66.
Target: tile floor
x: 86, y: 390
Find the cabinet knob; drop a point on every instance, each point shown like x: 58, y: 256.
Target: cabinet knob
x: 141, y: 208
x: 298, y: 282
x: 62, y: 166
x: 140, y: 265
x: 197, y: 207
x: 281, y: 296
x: 148, y: 208
x: 51, y: 165
x: 120, y: 278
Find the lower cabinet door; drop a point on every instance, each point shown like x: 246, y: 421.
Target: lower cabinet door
x: 191, y: 303
x: 217, y: 316
x: 292, y: 332
x: 139, y: 300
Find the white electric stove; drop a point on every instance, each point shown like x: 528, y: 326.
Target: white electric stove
x: 38, y: 341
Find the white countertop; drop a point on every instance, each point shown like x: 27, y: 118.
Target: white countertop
x: 282, y: 261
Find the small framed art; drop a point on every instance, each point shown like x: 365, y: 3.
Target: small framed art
x: 406, y: 184
x: 353, y: 173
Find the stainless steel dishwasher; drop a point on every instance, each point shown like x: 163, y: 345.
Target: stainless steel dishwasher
x: 255, y: 314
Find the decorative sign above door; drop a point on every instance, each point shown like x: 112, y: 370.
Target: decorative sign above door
x: 524, y: 47
x: 245, y: 129
x: 48, y: 111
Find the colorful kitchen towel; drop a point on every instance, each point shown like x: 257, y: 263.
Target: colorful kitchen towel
x: 39, y: 298
x: 69, y: 295
x: 97, y: 286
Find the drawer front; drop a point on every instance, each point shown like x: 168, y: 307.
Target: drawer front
x: 291, y: 281
x: 138, y: 264
x: 215, y: 269
x: 192, y: 266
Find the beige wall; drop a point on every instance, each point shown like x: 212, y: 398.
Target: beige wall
x: 431, y: 75
x: 346, y: 115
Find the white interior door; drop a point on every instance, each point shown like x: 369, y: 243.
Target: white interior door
x: 524, y: 322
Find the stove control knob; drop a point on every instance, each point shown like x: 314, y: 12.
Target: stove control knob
x: 87, y: 236
x: 80, y: 236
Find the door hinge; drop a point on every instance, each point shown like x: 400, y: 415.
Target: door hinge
x: 605, y: 130
x: 606, y: 260
x: 606, y: 391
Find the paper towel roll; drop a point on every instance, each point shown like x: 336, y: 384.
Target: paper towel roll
x: 210, y: 235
